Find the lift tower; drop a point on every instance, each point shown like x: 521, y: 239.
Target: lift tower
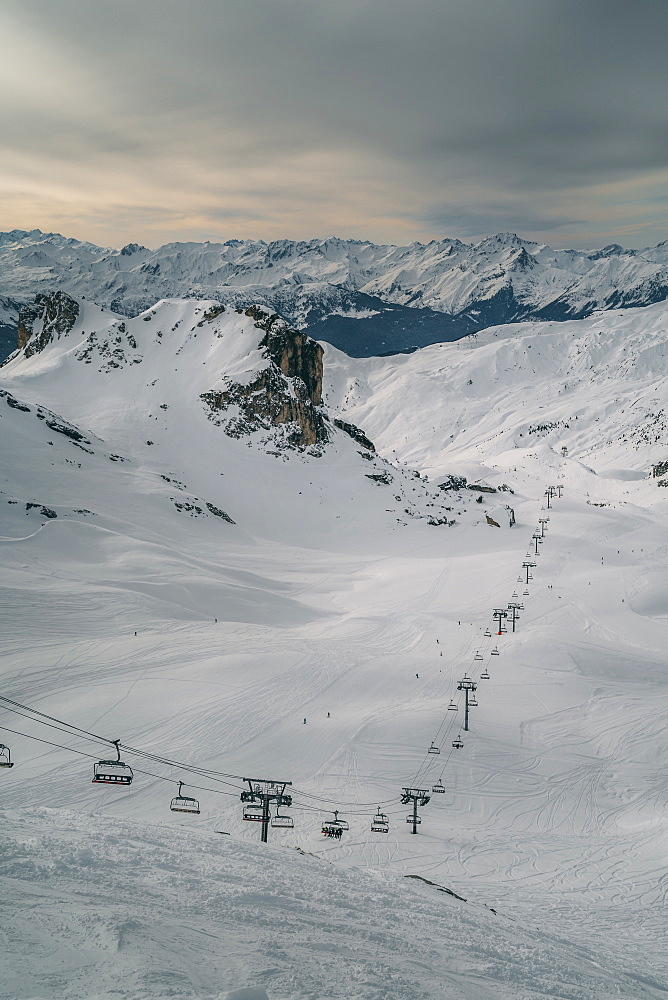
x: 528, y: 565
x: 262, y: 791
x: 415, y: 795
x: 543, y: 521
x: 513, y: 608
x: 500, y: 614
x: 466, y: 685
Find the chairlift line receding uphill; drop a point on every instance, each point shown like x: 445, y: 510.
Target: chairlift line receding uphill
x: 118, y: 772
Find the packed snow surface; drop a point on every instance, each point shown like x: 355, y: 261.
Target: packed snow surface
x: 319, y: 640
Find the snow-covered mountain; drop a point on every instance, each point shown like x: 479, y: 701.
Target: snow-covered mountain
x: 363, y: 298
x: 251, y: 557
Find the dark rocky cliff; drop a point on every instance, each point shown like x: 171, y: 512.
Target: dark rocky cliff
x: 283, y: 399
x: 45, y: 320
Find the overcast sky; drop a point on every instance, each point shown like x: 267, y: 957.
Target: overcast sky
x: 154, y: 120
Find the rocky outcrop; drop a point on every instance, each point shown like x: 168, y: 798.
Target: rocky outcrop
x: 284, y: 399
x: 355, y: 433
x: 660, y: 469
x: 452, y: 482
x: 292, y: 351
x: 49, y: 318
x: 499, y: 516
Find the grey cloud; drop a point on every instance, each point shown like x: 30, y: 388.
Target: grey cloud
x: 513, y: 96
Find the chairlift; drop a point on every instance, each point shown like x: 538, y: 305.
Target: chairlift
x: 433, y: 748
x: 335, y: 827
x: 495, y: 651
x: 411, y: 819
x: 380, y: 823
x: 282, y: 822
x: 458, y: 743
x: 487, y: 633
x: 253, y: 814
x: 438, y: 787
x: 113, y: 772
x: 452, y: 707
x: 515, y: 596
x: 525, y: 593
x: 5, y: 756
x: 478, y: 655
x: 473, y: 701
x: 183, y: 803
x: 484, y: 676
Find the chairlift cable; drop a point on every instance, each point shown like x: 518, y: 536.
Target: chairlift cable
x: 82, y: 753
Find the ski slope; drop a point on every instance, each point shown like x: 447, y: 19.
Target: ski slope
x: 332, y: 593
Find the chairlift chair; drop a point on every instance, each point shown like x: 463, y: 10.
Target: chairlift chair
x: 452, y: 707
x: 495, y: 651
x: 5, y: 756
x: 410, y: 819
x: 438, y: 787
x: 458, y: 743
x: 515, y: 596
x: 282, y: 822
x: 433, y: 748
x: 183, y: 803
x: 380, y: 823
x: 113, y: 772
x: 478, y: 655
x: 484, y: 676
x: 487, y: 633
x: 525, y: 593
x: 473, y: 701
x: 253, y: 814
x: 332, y: 826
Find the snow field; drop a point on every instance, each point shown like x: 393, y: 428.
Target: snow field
x: 328, y: 599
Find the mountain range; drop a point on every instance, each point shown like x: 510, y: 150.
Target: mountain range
x: 363, y: 298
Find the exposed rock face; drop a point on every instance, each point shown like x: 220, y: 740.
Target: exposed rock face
x: 660, y: 469
x: 453, y: 483
x: 355, y: 433
x: 499, y: 516
x: 284, y: 398
x: 292, y: 351
x: 47, y: 319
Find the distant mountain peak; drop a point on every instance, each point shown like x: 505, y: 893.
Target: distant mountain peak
x: 131, y: 248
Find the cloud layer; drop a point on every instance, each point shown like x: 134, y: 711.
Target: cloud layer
x: 366, y: 118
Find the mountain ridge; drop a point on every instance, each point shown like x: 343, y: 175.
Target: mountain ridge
x: 364, y: 298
